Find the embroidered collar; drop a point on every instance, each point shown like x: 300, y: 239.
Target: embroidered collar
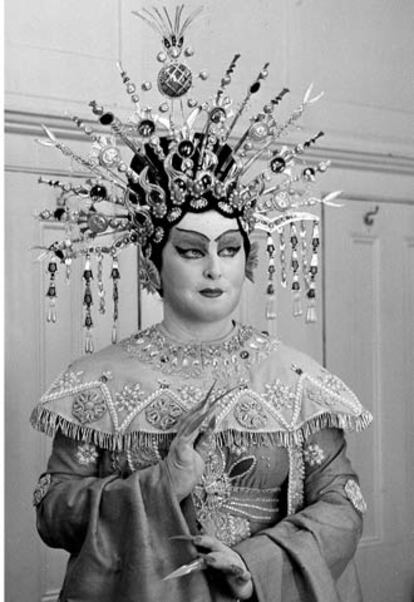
x: 153, y: 345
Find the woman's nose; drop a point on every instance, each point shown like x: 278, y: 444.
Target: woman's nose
x: 212, y: 269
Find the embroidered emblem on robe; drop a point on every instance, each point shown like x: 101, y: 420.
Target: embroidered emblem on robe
x: 313, y: 455
x: 86, y: 453
x: 41, y: 489
x: 354, y: 495
x: 143, y: 456
x: 88, y: 406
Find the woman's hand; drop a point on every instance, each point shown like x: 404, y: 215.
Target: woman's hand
x: 223, y: 558
x: 189, y: 449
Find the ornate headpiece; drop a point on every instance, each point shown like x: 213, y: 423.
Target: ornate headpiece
x: 186, y: 157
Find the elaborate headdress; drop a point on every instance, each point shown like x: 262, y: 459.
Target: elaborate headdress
x: 186, y: 158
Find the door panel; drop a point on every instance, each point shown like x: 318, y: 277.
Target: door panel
x: 369, y: 342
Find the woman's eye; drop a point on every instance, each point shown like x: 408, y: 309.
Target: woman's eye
x: 229, y: 251
x: 189, y: 253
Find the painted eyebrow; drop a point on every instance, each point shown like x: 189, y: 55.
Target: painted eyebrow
x: 204, y: 237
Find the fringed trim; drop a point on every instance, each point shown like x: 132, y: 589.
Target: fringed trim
x: 50, y: 423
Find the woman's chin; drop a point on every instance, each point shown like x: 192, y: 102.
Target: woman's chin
x: 213, y: 309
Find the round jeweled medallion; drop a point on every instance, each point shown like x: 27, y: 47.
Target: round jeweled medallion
x: 174, y: 80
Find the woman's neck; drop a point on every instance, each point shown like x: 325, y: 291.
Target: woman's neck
x: 200, y: 332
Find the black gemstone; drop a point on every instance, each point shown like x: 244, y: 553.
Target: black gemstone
x: 106, y: 118
x: 277, y: 164
x: 255, y: 88
x: 180, y: 184
x: 309, y: 171
x: 244, y: 354
x: 206, y: 180
x: 146, y: 127
x: 185, y: 149
x: 311, y: 293
x: 217, y: 114
x: 98, y: 191
x: 59, y: 213
x: 52, y: 267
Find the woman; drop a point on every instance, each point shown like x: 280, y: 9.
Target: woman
x: 199, y: 444
x: 265, y: 487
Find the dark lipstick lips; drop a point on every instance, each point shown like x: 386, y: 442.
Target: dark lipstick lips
x: 211, y: 292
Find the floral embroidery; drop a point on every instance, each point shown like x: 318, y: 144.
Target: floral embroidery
x: 163, y: 413
x: 319, y: 395
x: 330, y: 381
x: 250, y: 414
x: 314, y: 455
x: 224, y: 510
x: 279, y: 394
x: 190, y: 395
x: 41, y: 489
x: 89, y: 406
x: 354, y: 495
x: 67, y: 380
x: 86, y: 453
x: 129, y: 397
x: 143, y: 456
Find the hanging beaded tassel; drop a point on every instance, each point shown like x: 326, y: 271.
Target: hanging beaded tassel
x: 68, y: 260
x: 297, y: 301
x: 304, y: 252
x: 270, y: 290
x: 282, y: 257
x: 101, y: 290
x: 115, y: 275
x: 51, y: 291
x: 87, y: 301
x: 313, y: 270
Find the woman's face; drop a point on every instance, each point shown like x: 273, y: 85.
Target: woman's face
x: 203, y: 265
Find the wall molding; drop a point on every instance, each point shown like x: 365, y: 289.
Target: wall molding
x: 28, y: 123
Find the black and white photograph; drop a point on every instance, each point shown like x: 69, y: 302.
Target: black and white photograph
x: 208, y: 301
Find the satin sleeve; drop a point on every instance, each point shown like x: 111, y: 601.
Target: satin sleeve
x: 304, y: 556
x: 117, y: 530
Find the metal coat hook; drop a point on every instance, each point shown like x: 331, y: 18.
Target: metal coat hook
x: 369, y: 216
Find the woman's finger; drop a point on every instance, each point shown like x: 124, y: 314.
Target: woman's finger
x: 209, y: 542
x: 225, y: 562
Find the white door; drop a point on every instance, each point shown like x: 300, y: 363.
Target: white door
x: 370, y: 343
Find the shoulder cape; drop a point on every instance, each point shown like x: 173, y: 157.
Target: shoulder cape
x: 135, y: 392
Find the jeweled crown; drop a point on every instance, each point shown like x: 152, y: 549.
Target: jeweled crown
x: 186, y: 158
